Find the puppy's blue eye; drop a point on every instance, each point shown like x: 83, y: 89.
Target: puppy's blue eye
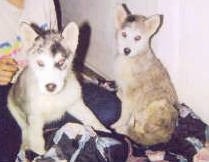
x: 137, y: 38
x: 40, y: 63
x: 60, y: 64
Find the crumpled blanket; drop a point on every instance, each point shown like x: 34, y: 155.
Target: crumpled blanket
x: 188, y: 141
x: 78, y: 143
x: 75, y: 143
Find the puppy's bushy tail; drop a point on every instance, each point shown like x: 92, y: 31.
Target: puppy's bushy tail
x: 158, y: 124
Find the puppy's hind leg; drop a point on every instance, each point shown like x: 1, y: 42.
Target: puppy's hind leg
x: 21, y: 120
x: 80, y: 111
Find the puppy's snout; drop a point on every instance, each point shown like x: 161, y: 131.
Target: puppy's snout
x: 51, y: 87
x: 127, y: 51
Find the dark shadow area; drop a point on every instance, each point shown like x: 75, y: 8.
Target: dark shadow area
x: 58, y: 14
x: 83, y: 46
x: 10, y: 132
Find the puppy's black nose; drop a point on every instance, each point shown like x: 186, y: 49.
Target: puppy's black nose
x: 51, y: 87
x: 127, y: 51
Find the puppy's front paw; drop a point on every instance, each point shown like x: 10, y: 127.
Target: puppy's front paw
x: 119, y: 94
x: 114, y: 126
x: 103, y: 129
x: 37, y: 145
x: 121, y: 130
x: 118, y: 124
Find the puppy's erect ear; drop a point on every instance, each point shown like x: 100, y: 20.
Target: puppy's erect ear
x: 27, y: 34
x: 121, y: 15
x: 70, y: 35
x: 153, y: 23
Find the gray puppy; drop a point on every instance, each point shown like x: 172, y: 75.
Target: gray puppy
x: 148, y: 97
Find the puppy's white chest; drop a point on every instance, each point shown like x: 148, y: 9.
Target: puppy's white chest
x: 123, y: 71
x: 48, y: 108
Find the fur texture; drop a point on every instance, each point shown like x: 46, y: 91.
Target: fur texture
x: 47, y: 87
x: 148, y: 97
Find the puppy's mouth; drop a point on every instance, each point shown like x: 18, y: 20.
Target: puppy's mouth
x: 48, y: 93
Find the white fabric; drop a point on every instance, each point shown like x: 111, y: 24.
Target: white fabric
x: 10, y: 16
x: 41, y: 12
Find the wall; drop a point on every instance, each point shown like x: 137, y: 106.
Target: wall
x: 181, y: 43
x: 99, y: 16
x: 193, y: 69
